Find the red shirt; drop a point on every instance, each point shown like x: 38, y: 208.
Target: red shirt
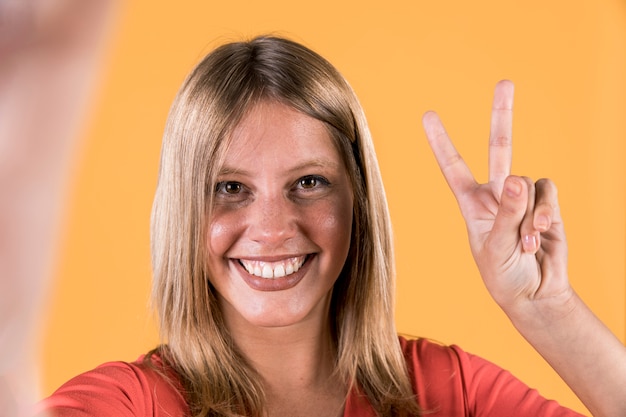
x: 448, y: 382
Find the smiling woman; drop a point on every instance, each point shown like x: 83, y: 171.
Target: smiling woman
x: 274, y: 274
x: 266, y: 117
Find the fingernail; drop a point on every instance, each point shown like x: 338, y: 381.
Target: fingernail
x: 529, y: 243
x: 513, y: 188
x: 542, y: 222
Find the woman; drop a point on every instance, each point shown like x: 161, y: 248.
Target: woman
x: 273, y: 264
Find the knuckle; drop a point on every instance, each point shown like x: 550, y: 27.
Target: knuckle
x: 453, y: 160
x: 510, y: 210
x: 500, y: 141
x: 531, y: 185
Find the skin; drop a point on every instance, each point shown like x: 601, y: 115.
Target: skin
x: 49, y: 53
x: 518, y: 242
x: 283, y: 193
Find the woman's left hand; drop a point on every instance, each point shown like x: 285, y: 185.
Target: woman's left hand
x: 514, y: 225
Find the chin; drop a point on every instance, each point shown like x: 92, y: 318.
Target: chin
x: 275, y: 314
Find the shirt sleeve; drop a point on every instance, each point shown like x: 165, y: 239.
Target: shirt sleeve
x: 452, y: 382
x: 116, y: 389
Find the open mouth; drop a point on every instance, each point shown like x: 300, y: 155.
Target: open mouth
x: 272, y: 270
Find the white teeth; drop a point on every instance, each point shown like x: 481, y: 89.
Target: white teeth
x: 271, y: 270
x: 279, y: 271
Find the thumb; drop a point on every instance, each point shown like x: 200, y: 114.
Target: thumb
x: 505, y: 234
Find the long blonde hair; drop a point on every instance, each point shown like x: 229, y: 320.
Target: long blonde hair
x: 212, y: 100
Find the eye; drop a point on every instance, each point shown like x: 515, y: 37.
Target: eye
x: 312, y: 181
x: 228, y: 187
x: 308, y: 182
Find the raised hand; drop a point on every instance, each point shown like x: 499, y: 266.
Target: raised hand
x: 517, y: 239
x: 49, y: 53
x: 514, y: 225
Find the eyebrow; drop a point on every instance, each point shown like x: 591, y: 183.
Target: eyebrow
x: 313, y: 163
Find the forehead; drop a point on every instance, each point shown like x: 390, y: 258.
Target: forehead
x: 275, y: 133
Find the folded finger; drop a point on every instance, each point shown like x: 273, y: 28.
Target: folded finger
x: 531, y: 238
x: 505, y: 234
x: 546, y: 205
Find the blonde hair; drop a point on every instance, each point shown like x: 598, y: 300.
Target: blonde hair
x: 212, y: 100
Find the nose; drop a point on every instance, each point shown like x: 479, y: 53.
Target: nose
x: 272, y: 220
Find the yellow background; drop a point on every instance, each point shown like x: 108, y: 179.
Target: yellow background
x: 566, y: 57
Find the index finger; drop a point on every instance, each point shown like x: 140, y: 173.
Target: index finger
x: 452, y: 165
x: 500, y: 137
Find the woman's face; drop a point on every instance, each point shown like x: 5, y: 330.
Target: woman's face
x: 280, y: 230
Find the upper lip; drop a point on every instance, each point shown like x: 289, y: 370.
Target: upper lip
x: 269, y: 258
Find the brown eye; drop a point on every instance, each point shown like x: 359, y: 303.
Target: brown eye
x: 308, y: 182
x: 232, y: 187
x: 228, y: 187
x: 311, y: 182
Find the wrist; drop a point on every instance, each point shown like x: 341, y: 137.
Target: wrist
x: 550, y: 312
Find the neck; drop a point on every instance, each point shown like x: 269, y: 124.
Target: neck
x: 298, y: 355
x: 296, y: 363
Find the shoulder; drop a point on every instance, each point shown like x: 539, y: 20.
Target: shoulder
x: 139, y: 388
x: 452, y: 382
x: 426, y: 357
x: 436, y: 372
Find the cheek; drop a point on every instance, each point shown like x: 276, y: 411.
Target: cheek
x: 221, y: 235
x: 334, y: 224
